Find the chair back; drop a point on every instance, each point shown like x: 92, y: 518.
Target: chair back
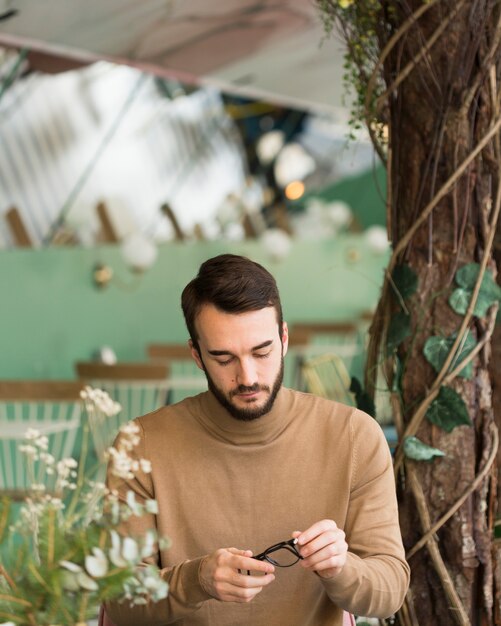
x: 139, y: 387
x: 52, y: 408
x: 185, y: 378
x: 326, y: 376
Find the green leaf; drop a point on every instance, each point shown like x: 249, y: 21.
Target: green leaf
x: 448, y: 410
x: 398, y: 330
x: 404, y: 280
x: 460, y: 299
x: 363, y: 400
x: 415, y: 449
x: 436, y: 350
x: 489, y: 293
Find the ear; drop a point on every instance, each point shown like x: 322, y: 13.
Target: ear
x: 195, y: 355
x: 285, y: 338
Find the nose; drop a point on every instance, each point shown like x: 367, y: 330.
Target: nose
x: 246, y: 374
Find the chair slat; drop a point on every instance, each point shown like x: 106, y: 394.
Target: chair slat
x: 56, y: 414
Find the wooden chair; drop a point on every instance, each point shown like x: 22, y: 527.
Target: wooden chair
x: 139, y: 387
x: 310, y: 339
x: 53, y: 408
x: 326, y: 376
x: 185, y: 377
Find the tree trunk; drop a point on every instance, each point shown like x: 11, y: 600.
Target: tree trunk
x: 437, y: 116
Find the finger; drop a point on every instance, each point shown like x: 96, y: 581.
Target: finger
x: 316, y: 529
x: 335, y: 538
x: 247, y: 563
x: 240, y: 552
x: 332, y: 550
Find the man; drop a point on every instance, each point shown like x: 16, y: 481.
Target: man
x: 249, y: 464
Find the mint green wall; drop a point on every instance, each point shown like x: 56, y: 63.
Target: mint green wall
x: 52, y: 315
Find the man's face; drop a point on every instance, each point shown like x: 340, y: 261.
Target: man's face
x: 242, y: 357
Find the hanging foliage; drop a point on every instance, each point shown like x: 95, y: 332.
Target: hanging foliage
x: 489, y: 294
x: 437, y: 350
x: 419, y: 451
x: 448, y: 410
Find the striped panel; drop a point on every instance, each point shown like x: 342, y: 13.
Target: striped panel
x: 58, y: 421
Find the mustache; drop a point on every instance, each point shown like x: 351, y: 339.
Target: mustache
x: 248, y: 389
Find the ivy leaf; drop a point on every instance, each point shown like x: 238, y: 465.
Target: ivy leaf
x: 405, y: 280
x: 363, y: 400
x: 448, y: 410
x: 460, y: 299
x: 436, y: 350
x: 415, y: 449
x: 398, y: 330
x: 489, y: 293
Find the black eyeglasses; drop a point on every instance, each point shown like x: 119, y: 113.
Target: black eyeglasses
x: 285, y: 554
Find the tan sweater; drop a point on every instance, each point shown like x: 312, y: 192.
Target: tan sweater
x: 223, y: 483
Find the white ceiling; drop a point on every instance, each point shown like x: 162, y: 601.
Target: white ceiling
x: 260, y: 48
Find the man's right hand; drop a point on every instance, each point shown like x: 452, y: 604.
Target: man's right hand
x: 223, y: 574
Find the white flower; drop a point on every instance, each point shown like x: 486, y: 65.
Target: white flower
x: 31, y: 434
x: 42, y: 442
x: 145, y: 466
x: 134, y: 506
x: 29, y: 450
x: 130, y: 550
x: 86, y: 582
x: 115, y: 552
x: 148, y: 547
x: 151, y: 506
x: 97, y: 563
x: 70, y: 566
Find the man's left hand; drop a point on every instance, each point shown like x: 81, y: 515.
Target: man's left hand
x: 323, y: 548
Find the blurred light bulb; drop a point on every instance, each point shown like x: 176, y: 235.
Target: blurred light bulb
x: 293, y: 163
x: 339, y: 213
x: 377, y: 239
x: 139, y: 252
x: 269, y: 145
x: 277, y: 243
x: 294, y: 190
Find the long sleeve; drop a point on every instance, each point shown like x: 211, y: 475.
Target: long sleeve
x: 375, y: 578
x: 185, y: 592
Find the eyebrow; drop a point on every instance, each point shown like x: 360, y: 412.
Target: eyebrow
x: 265, y: 344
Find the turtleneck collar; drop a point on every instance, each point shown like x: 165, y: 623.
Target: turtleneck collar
x: 262, y: 430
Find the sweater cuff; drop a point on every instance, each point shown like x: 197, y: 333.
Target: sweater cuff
x: 191, y: 588
x: 346, y: 583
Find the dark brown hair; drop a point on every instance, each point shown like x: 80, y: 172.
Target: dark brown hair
x: 233, y: 284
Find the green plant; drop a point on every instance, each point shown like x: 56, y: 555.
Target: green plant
x: 61, y: 551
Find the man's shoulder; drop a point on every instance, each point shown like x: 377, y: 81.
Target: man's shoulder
x: 168, y: 415
x: 319, y: 405
x: 333, y: 411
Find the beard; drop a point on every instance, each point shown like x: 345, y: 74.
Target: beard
x: 251, y: 413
